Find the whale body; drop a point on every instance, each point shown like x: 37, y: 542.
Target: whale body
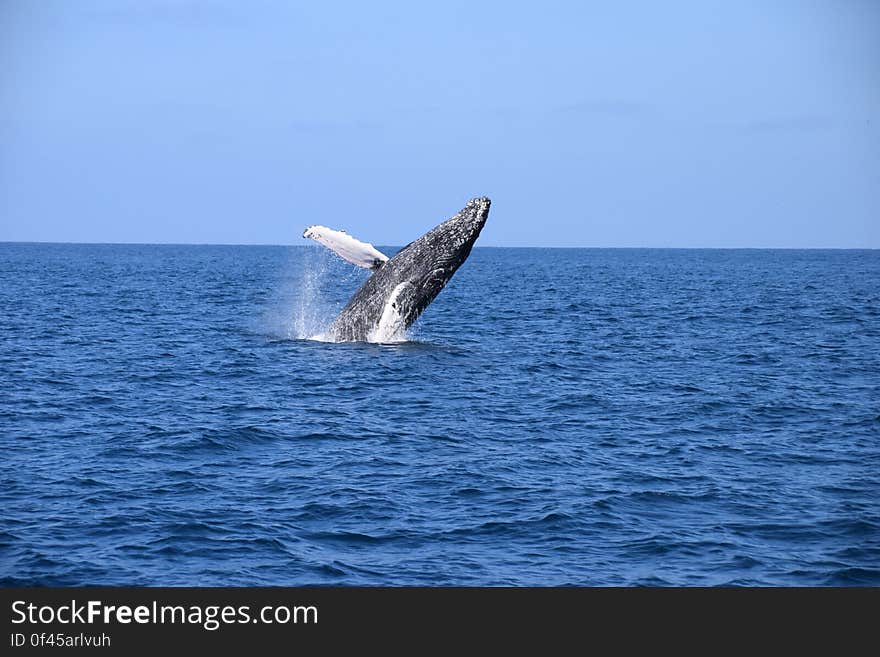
x: 401, y: 287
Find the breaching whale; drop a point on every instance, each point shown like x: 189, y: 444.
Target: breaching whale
x: 403, y: 286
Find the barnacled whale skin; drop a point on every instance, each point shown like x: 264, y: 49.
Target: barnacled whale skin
x: 401, y: 288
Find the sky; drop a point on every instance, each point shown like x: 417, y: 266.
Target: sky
x: 607, y: 124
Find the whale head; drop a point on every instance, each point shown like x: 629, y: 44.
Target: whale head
x: 449, y: 244
x: 438, y: 254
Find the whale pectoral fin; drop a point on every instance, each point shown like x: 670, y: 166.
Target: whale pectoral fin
x: 347, y: 247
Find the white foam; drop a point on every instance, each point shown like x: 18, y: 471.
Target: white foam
x: 321, y: 337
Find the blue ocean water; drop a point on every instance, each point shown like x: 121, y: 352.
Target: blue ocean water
x: 583, y: 417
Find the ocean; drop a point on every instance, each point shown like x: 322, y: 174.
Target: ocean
x: 582, y: 417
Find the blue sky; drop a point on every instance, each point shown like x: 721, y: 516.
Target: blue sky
x: 682, y: 124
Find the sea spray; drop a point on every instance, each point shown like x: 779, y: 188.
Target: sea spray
x: 314, y: 287
x: 319, y: 288
x: 309, y: 312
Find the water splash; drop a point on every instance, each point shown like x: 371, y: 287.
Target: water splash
x: 310, y: 314
x: 313, y: 291
x: 300, y: 308
x: 313, y: 303
x: 318, y: 287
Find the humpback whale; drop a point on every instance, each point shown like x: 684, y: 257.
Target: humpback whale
x: 401, y: 287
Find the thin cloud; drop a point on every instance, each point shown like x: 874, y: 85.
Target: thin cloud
x: 610, y: 107
x: 188, y: 13
x: 785, y: 124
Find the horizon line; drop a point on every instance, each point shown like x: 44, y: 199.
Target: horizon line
x: 483, y: 246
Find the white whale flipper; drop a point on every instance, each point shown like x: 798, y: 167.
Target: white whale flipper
x: 347, y: 247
